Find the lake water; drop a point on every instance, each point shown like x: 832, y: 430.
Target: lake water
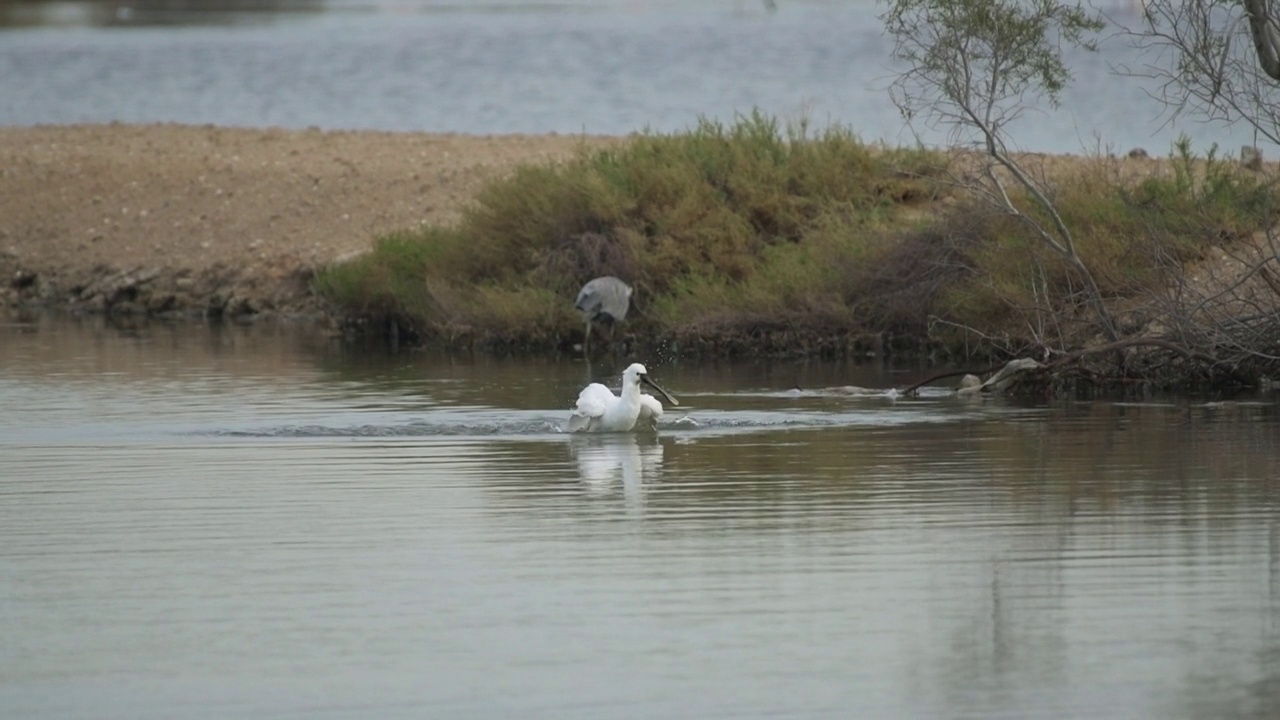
x: 604, y: 67
x: 255, y: 522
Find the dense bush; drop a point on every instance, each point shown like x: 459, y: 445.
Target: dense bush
x: 756, y: 237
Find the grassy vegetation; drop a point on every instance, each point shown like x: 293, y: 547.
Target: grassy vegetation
x: 753, y: 237
x: 1136, y: 234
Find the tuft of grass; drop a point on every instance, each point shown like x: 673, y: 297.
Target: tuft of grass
x: 390, y: 281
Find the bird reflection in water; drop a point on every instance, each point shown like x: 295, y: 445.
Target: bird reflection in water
x: 607, y: 461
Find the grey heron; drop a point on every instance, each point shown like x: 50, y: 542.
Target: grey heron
x: 599, y: 410
x: 604, y: 299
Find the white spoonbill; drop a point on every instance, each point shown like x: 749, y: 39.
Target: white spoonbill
x: 599, y: 410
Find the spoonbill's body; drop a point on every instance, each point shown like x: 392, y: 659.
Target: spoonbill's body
x: 599, y: 410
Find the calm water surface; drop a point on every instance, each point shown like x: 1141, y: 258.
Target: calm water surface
x: 523, y: 66
x: 253, y: 522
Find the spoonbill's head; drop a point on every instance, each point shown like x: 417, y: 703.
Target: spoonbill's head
x: 636, y: 375
x: 633, y: 373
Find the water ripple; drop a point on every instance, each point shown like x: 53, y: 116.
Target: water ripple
x: 490, y: 423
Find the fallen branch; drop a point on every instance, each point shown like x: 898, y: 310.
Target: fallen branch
x: 911, y: 390
x: 1127, y: 343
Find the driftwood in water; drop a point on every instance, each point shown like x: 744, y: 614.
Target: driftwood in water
x: 971, y: 384
x: 1001, y: 381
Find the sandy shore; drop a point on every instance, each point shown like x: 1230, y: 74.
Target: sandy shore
x: 175, y: 218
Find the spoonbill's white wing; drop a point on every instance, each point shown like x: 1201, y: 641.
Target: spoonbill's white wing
x: 650, y: 412
x: 593, y: 401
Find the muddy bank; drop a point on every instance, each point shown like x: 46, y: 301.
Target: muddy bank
x: 175, y: 219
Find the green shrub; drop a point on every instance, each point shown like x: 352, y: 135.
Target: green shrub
x: 751, y: 215
x: 753, y: 230
x: 1134, y: 236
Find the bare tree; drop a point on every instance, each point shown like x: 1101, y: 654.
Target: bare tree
x: 1220, y: 60
x: 974, y: 67
x: 1266, y: 37
x: 1216, y: 58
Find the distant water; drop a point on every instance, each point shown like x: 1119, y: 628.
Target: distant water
x: 516, y: 67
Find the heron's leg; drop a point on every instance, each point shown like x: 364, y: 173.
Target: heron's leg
x: 586, y: 338
x: 613, y: 331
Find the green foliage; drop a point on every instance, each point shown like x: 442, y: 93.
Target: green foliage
x: 703, y: 202
x: 749, y: 214
x: 749, y: 231
x: 1206, y: 194
x: 390, y: 281
x: 975, y: 63
x: 810, y: 285
x: 1136, y: 237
